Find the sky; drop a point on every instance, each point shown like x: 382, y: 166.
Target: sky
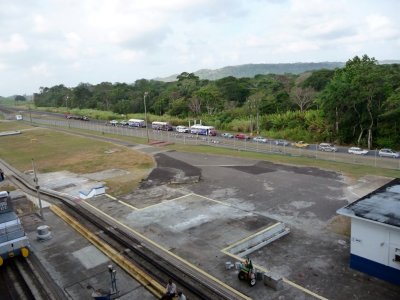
x: 50, y: 42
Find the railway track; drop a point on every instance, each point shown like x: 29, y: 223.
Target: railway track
x: 22, y: 279
x: 159, y: 264
x: 13, y: 284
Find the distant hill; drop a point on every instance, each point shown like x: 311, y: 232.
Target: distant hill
x: 250, y: 70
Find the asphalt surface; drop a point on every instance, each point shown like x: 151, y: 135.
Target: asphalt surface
x: 235, y: 198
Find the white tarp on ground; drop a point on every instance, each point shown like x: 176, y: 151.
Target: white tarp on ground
x: 100, y: 190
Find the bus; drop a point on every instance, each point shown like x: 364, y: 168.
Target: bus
x: 161, y: 126
x: 136, y: 123
x: 203, y: 130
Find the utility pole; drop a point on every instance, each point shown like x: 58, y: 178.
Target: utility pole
x: 145, y: 116
x: 30, y: 114
x: 37, y: 189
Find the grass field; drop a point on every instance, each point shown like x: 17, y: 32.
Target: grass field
x: 12, y: 125
x: 348, y: 169
x: 55, y: 151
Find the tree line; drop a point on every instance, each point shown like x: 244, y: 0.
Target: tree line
x: 357, y: 104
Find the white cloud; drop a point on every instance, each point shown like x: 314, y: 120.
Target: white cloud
x: 381, y: 27
x: 128, y: 56
x: 3, y: 66
x: 71, y: 47
x: 298, y: 47
x: 41, y: 69
x: 15, y: 43
x: 75, y: 65
x: 40, y: 24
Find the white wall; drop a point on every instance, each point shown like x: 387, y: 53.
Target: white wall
x: 375, y: 242
x: 394, y: 248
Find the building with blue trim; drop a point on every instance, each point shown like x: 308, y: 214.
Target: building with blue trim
x: 375, y: 232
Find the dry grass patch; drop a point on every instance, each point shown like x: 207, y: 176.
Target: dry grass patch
x: 55, y: 151
x: 13, y: 125
x: 125, y: 184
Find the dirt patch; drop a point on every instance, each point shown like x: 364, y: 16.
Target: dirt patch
x: 171, y: 171
x: 255, y: 170
x: 340, y: 225
x: 126, y: 183
x: 110, y: 151
x: 298, y: 170
x: 6, y: 186
x: 21, y: 205
x: 141, y: 198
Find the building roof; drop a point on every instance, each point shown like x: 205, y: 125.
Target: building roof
x: 381, y: 206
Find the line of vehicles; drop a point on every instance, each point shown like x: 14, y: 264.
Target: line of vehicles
x: 13, y: 240
x: 200, y: 129
x: 166, y: 126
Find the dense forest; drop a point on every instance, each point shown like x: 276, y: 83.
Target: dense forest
x: 357, y: 104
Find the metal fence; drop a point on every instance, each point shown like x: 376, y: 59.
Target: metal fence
x: 216, y: 141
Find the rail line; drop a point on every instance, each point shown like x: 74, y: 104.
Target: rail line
x: 158, y: 263
x: 21, y: 279
x: 13, y: 284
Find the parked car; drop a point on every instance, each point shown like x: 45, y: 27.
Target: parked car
x: 300, y: 144
x: 282, y: 143
x: 327, y: 147
x: 82, y: 118
x: 113, y: 122
x: 182, y: 129
x: 260, y: 139
x: 227, y: 135
x: 124, y: 123
x: 357, y: 151
x: 388, y: 153
x: 242, y: 136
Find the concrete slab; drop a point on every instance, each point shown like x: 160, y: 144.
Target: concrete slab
x: 90, y: 257
x: 67, y: 182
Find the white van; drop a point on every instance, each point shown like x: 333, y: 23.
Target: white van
x: 182, y: 129
x: 18, y: 117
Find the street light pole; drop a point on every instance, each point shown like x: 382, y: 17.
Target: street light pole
x: 145, y: 116
x: 37, y: 189
x: 30, y: 114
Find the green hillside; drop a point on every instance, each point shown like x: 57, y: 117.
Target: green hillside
x: 250, y: 70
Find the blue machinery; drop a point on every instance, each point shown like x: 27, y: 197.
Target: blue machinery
x: 13, y: 240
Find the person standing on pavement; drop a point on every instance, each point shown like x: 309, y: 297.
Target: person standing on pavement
x: 170, y: 290
x: 181, y: 296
